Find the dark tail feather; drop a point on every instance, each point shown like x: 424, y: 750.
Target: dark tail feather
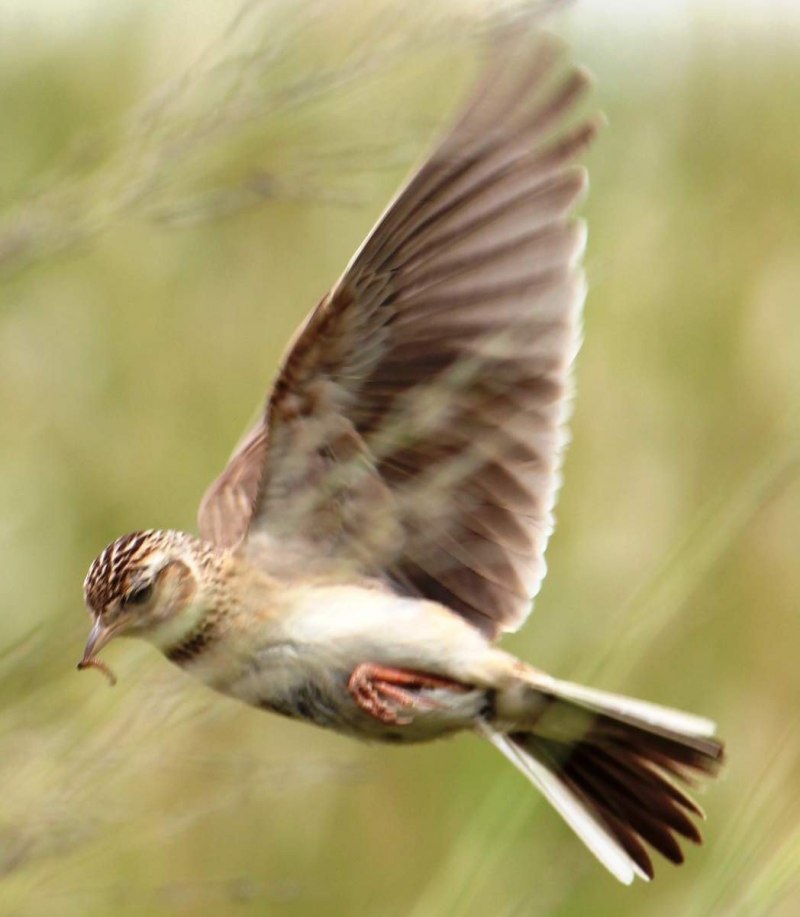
x: 617, y: 784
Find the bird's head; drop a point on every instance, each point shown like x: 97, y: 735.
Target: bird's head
x: 146, y: 584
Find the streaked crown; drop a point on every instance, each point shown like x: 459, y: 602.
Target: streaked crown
x: 125, y: 562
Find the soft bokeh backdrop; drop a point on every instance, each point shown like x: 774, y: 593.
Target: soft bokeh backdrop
x: 176, y: 190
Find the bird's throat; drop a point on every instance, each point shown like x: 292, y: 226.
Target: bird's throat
x: 195, y: 641
x: 183, y: 629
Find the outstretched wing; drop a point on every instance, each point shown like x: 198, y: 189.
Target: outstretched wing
x: 227, y: 506
x: 415, y: 427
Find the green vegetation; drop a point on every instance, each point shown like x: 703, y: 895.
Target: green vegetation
x: 164, y: 225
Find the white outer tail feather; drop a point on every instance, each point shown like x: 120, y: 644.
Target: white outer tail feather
x: 588, y: 828
x: 606, y: 702
x: 577, y: 814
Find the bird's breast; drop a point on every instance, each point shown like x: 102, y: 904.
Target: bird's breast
x: 298, y: 662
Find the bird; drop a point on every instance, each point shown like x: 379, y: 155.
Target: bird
x: 385, y: 520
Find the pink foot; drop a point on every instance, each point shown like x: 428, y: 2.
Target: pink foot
x: 379, y: 690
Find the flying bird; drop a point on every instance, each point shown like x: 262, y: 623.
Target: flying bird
x: 386, y: 519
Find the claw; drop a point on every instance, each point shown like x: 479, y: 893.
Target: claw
x: 380, y: 690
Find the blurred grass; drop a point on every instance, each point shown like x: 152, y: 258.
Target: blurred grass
x: 139, y: 330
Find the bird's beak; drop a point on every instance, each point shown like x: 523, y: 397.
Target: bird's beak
x: 99, y: 636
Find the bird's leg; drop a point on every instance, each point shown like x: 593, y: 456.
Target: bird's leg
x: 379, y: 690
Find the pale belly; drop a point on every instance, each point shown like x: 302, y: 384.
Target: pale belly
x: 284, y: 680
x: 300, y: 666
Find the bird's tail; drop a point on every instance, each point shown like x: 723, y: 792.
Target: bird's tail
x: 610, y: 765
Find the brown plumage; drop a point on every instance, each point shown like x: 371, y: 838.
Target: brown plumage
x: 388, y: 515
x: 627, y: 776
x: 113, y: 573
x: 443, y: 352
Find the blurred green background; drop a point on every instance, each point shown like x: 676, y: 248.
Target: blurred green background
x: 177, y: 188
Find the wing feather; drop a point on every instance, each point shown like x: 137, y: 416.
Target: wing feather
x: 415, y: 427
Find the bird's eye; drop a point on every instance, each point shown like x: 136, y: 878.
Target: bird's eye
x: 139, y: 595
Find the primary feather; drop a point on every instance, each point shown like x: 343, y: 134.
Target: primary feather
x: 415, y: 428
